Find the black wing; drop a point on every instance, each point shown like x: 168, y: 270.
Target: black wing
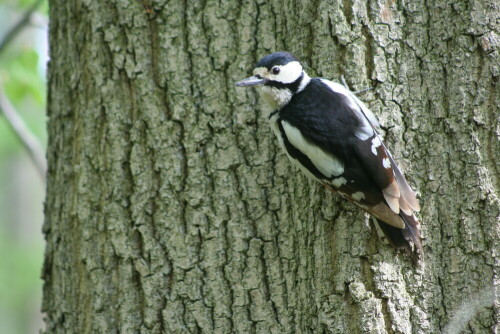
x: 324, y: 126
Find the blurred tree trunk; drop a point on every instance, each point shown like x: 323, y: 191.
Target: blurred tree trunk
x: 170, y: 208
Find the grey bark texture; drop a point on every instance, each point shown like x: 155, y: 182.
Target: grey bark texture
x: 170, y: 208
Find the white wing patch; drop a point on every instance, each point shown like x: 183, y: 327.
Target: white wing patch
x: 325, y: 162
x: 375, y: 143
x: 339, y: 182
x: 274, y: 126
x: 367, y: 112
x: 339, y: 89
x: 386, y: 163
x: 364, y: 114
x: 358, y: 195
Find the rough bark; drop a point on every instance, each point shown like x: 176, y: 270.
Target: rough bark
x: 171, y: 209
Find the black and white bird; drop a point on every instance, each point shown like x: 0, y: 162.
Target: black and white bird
x: 331, y: 136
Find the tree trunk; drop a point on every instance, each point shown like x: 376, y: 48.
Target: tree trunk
x: 171, y: 209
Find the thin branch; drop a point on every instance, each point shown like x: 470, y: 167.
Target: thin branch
x: 20, y: 25
x: 29, y: 141
x: 342, y: 79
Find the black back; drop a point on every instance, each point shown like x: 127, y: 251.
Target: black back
x: 319, y: 112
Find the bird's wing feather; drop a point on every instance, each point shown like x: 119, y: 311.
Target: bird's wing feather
x: 408, y: 197
x: 405, y: 189
x: 375, y: 158
x: 407, y: 193
x: 367, y: 113
x: 324, y: 117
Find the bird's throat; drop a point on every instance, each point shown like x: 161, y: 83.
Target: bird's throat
x: 277, y: 98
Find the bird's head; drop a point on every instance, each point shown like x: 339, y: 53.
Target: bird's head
x: 280, y: 75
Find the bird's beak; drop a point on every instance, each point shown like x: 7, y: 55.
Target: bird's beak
x: 251, y: 81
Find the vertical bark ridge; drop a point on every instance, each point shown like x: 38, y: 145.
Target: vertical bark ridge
x: 170, y: 208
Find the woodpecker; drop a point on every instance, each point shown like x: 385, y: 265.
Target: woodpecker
x: 331, y: 136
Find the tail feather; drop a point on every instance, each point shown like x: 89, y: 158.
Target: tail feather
x: 407, y: 238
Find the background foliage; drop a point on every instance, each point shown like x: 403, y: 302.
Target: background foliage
x: 22, y: 77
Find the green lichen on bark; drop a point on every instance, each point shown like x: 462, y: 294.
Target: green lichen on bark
x: 170, y: 208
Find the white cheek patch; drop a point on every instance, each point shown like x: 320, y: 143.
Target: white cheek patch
x: 386, y: 163
x: 375, y: 143
x: 325, y: 162
x: 304, y: 82
x: 288, y: 73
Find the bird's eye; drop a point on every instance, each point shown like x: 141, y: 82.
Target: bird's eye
x: 275, y: 70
